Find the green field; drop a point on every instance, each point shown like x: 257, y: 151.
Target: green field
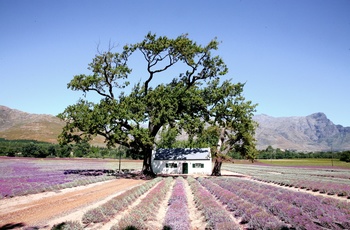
x: 307, y: 162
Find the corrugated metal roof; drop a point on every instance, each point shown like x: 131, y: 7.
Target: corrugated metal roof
x: 182, y: 154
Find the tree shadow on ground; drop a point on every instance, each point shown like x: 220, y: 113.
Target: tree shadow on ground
x: 11, y: 226
x: 123, y: 173
x: 136, y: 175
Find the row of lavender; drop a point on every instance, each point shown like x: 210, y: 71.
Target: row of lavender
x: 226, y: 203
x: 139, y: 216
x: 216, y: 216
x: 119, y: 203
x: 330, y: 187
x: 143, y: 215
x: 254, y: 216
x: 332, y: 182
x: 177, y: 216
x: 264, y: 206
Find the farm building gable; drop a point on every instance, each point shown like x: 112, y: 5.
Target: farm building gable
x: 182, y: 161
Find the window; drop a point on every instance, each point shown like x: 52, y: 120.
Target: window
x: 197, y: 165
x: 171, y: 165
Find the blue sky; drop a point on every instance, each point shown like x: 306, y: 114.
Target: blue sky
x: 294, y: 55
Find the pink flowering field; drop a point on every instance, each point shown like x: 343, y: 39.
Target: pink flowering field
x: 21, y: 176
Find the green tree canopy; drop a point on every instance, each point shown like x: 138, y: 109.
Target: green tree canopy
x: 133, y: 118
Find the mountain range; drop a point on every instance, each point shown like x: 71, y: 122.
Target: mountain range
x: 310, y: 133
x: 15, y: 124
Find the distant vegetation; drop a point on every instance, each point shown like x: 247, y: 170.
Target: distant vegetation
x: 271, y: 153
x: 33, y: 148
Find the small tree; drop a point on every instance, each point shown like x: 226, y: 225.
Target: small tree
x: 134, y: 119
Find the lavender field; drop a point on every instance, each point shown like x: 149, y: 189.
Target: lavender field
x: 256, y: 197
x: 223, y: 202
x: 22, y: 176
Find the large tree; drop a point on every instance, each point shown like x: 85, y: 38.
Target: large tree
x: 233, y: 116
x: 132, y: 117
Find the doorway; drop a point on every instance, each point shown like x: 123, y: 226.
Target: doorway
x: 184, y: 168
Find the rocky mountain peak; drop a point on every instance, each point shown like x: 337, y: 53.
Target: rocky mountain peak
x: 319, y: 116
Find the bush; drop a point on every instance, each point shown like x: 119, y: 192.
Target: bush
x: 345, y: 156
x: 95, y: 215
x: 69, y: 225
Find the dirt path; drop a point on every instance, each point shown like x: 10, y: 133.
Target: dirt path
x: 38, y: 212
x: 196, y: 217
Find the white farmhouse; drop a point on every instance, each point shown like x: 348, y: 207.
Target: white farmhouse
x: 182, y: 161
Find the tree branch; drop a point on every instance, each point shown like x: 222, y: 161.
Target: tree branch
x: 152, y: 63
x: 190, y: 82
x: 108, y: 81
x: 99, y: 92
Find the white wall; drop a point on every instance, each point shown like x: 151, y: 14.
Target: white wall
x: 206, y: 170
x: 159, y: 166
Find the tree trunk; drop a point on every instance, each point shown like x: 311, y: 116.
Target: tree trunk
x: 147, y: 169
x: 218, y: 160
x: 217, y: 167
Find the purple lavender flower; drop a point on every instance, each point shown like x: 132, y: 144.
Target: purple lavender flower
x: 176, y: 216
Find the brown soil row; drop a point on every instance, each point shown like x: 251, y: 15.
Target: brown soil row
x: 38, y: 212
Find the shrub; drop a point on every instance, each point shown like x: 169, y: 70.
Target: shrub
x: 69, y: 225
x: 345, y: 156
x: 94, y: 216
